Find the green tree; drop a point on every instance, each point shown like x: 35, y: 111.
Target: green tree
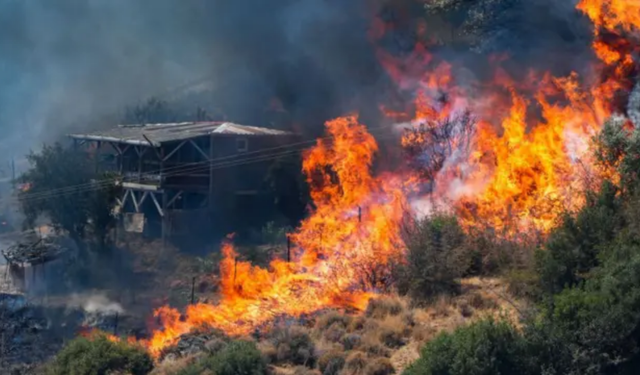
x: 100, y: 356
x: 64, y: 187
x: 436, y: 258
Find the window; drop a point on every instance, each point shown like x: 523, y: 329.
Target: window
x: 242, y: 145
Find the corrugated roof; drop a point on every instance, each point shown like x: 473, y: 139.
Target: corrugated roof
x: 160, y: 133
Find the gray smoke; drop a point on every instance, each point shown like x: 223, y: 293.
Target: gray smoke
x: 76, y: 63
x: 79, y: 62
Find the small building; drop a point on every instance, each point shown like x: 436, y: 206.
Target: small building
x: 177, y: 177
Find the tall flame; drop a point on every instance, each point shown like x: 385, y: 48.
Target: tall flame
x: 530, y: 154
x: 354, y: 227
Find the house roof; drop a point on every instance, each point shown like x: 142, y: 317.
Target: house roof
x: 167, y: 132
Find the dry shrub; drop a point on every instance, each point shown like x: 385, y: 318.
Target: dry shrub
x: 331, y: 318
x: 351, y: 341
x: 465, y: 310
x: 357, y: 324
x: 173, y: 366
x: 422, y: 334
x: 355, y: 363
x: 293, y: 345
x: 409, y: 319
x: 384, y: 306
x: 479, y: 302
x: 372, y: 345
x: 392, y: 331
x: 379, y: 366
x: 335, y: 332
x: 302, y: 370
x: 269, y: 351
x: 215, y: 345
x: 442, y: 307
x: 371, y: 325
x: 331, y: 362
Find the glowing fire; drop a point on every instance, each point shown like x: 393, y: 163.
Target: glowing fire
x: 525, y: 162
x: 355, y: 226
x: 529, y: 158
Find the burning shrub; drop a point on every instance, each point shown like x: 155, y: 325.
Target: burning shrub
x: 294, y: 346
x: 331, y: 362
x: 384, y: 306
x: 435, y: 258
x: 99, y: 355
x: 485, y: 347
x: 239, y: 357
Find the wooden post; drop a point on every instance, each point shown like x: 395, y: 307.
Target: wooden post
x: 13, y: 172
x: 115, y: 325
x: 235, y: 270
x: 211, y: 155
x: 193, y: 290
x: 288, y: 249
x: 164, y: 219
x: 140, y: 153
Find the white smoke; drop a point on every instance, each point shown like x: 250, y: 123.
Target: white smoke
x: 95, y: 304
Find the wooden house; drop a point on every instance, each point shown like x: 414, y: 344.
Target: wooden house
x: 181, y: 176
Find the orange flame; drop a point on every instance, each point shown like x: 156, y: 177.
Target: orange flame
x: 530, y: 155
x: 355, y: 226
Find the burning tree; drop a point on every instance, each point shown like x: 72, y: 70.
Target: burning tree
x: 430, y: 144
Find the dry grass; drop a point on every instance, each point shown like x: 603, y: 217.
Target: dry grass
x: 173, y: 365
x: 383, y: 340
x: 384, y: 306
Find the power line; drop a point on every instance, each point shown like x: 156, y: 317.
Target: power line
x: 213, y: 164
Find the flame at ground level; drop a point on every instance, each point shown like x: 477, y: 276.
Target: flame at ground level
x: 354, y: 229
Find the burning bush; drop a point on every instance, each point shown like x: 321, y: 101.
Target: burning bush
x: 100, y: 355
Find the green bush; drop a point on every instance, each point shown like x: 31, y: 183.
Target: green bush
x: 237, y: 358
x: 100, y: 356
x: 482, y: 348
x: 572, y: 249
x: 435, y: 261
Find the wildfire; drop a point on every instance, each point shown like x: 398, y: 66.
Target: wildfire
x: 529, y: 157
x: 512, y: 154
x: 354, y: 228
